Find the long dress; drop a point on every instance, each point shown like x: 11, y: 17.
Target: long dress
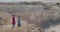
x: 13, y: 21
x: 19, y: 22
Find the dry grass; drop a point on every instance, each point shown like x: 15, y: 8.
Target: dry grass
x: 37, y: 18
x: 32, y: 18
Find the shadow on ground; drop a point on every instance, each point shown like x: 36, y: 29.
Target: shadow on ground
x: 50, y: 22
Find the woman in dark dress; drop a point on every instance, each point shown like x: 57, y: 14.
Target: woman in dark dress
x: 19, y: 22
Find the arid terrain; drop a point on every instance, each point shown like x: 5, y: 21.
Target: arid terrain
x: 34, y: 18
